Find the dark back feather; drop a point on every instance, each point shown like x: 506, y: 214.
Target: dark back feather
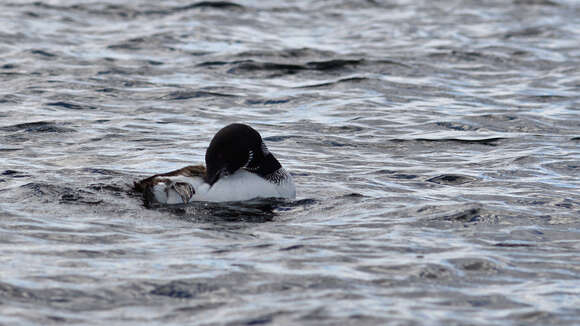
x: 188, y: 171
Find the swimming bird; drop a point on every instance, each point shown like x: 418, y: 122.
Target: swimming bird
x: 238, y: 167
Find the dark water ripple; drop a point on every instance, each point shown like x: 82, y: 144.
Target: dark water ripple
x: 435, y: 146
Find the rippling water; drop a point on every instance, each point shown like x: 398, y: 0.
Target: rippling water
x: 435, y: 147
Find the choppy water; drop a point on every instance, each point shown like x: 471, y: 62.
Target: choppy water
x: 435, y: 147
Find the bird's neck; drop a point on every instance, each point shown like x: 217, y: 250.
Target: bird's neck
x: 269, y: 165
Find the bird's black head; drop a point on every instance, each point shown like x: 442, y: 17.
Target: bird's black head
x: 234, y: 147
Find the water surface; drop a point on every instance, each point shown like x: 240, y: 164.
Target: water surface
x: 435, y: 147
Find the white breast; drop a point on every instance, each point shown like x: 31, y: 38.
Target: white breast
x: 244, y: 185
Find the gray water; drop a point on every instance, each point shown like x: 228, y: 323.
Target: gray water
x: 435, y: 146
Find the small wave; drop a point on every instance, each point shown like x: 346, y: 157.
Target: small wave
x: 38, y: 126
x: 61, y: 194
x: 14, y: 174
x: 71, y: 106
x: 349, y: 80
x: 182, y: 289
x: 267, y: 102
x: 185, y: 95
x: 43, y: 53
x: 452, y: 179
x: 334, y: 64
x: 279, y: 138
x: 252, y: 66
x: 133, y: 12
x: 473, y: 215
x: 288, y: 53
x: 481, y: 141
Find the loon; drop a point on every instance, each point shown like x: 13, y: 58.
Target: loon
x: 239, y: 167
